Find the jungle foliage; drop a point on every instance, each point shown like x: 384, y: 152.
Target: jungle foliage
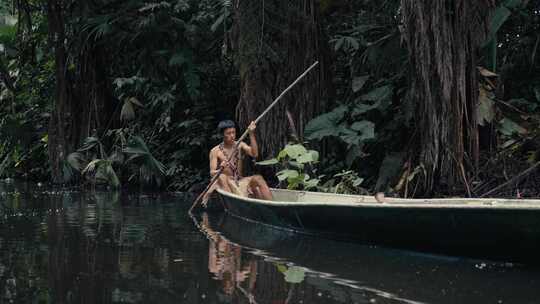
x: 129, y: 92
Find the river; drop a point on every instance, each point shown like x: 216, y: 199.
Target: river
x: 110, y: 247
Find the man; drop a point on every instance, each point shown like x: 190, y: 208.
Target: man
x: 231, y: 178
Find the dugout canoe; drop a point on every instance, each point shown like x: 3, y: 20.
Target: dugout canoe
x: 498, y: 229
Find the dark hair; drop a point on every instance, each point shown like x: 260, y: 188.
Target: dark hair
x: 225, y: 124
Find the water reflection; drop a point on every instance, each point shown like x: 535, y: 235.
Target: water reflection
x: 300, y: 269
x: 72, y: 247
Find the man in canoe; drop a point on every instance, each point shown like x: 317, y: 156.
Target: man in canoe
x: 231, y: 178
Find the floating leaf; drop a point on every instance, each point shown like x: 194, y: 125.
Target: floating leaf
x: 295, y: 275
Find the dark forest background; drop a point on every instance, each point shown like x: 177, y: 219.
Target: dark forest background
x: 414, y: 98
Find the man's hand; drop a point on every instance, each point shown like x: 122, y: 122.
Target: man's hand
x: 252, y: 126
x: 224, y: 165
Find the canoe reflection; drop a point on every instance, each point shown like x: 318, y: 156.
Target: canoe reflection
x: 259, y: 264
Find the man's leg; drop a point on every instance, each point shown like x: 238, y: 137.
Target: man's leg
x: 223, y: 183
x: 261, y: 189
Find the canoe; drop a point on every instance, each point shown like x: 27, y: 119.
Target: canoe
x: 498, y: 229
x: 388, y: 275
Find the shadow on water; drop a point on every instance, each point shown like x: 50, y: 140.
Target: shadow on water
x: 106, y: 247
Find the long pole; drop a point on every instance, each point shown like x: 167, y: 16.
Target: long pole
x: 216, y: 176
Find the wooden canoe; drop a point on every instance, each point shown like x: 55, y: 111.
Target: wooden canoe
x: 484, y: 228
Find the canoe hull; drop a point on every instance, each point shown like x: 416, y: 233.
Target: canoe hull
x: 502, y: 234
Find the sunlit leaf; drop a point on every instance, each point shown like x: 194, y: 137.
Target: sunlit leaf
x: 268, y: 162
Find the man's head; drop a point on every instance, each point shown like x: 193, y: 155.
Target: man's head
x: 228, y: 129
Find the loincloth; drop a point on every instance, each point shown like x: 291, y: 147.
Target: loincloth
x: 241, y: 188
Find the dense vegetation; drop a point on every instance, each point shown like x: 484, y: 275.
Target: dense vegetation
x: 415, y: 98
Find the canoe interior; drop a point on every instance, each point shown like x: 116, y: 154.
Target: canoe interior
x: 292, y: 196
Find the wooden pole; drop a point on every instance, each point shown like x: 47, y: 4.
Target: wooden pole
x: 216, y: 176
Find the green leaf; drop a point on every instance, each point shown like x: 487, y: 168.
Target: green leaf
x: 77, y: 161
x: 177, y: 59
x: 509, y: 127
x: 485, y: 111
x: 295, y: 275
x: 378, y: 94
x: 359, y: 82
x: 111, y: 176
x: 89, y: 143
x: 219, y: 21
x: 127, y: 112
x: 92, y: 167
x: 282, y: 154
x: 268, y: 162
x: 366, y: 128
x: 305, y: 158
x: 295, y: 151
x: 361, y: 108
x: 500, y: 16
x: 325, y: 124
x: 314, y: 155
x: 512, y: 3
x: 286, y: 174
x: 352, y: 154
x: 357, y: 181
x: 311, y: 183
x: 390, y: 168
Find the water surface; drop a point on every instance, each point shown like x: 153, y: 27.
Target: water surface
x: 105, y: 247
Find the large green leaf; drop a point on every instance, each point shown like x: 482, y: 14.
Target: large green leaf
x: 366, y: 129
x: 501, y: 14
x: 308, y: 157
x: 150, y: 168
x: 295, y: 151
x: 325, y: 124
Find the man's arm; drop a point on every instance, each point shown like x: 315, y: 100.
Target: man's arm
x: 251, y: 150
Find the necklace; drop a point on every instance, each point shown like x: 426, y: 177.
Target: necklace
x: 232, y: 161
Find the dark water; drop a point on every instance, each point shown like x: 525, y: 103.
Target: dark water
x: 71, y: 247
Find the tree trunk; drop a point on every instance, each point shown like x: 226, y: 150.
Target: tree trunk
x: 82, y: 104
x: 443, y: 37
x: 274, y: 42
x: 57, y: 137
